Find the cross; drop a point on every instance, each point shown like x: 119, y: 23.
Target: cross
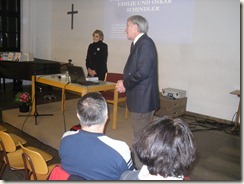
x: 72, y: 12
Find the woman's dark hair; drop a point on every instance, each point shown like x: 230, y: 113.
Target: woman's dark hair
x: 167, y: 147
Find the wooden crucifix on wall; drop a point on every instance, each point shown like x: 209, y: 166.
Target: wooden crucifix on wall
x: 72, y: 12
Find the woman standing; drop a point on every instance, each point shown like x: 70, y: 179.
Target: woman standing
x: 97, y: 54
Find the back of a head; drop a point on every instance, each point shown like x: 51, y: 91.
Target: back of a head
x: 92, y: 109
x: 140, y: 21
x: 167, y: 147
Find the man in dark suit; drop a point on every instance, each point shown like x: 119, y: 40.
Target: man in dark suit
x: 140, y: 75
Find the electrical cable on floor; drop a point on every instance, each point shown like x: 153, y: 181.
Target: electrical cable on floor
x: 208, y: 124
x: 22, y: 127
x: 231, y: 131
x: 63, y: 107
x: 233, y: 117
x: 64, y: 121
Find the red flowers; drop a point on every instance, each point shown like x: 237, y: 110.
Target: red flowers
x: 23, y: 97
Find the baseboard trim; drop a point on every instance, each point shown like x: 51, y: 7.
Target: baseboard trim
x: 201, y: 116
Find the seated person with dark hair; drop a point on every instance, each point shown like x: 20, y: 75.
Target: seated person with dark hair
x: 167, y: 150
x: 89, y: 153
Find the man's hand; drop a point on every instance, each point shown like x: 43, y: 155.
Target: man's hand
x: 120, y: 86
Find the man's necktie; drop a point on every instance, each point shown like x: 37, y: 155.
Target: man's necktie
x: 131, y: 47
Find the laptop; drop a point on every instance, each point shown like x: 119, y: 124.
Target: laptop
x: 77, y: 76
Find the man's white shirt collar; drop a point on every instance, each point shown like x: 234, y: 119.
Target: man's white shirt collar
x: 137, y: 38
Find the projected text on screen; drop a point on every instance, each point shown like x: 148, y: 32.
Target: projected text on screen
x: 170, y: 21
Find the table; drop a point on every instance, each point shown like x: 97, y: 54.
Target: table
x: 55, y: 81
x: 237, y: 93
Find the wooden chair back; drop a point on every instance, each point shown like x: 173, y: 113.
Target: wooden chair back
x: 11, y: 141
x: 10, y: 155
x: 34, y: 163
x: 109, y: 95
x: 7, y: 142
x: 114, y: 77
x: 2, y: 128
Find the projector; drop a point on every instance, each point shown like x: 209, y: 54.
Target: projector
x: 173, y: 93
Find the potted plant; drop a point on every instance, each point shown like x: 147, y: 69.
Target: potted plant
x: 24, y: 101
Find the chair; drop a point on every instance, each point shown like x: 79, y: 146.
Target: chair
x: 2, y: 128
x: 11, y: 141
x: 109, y: 95
x: 11, y: 156
x: 36, y: 167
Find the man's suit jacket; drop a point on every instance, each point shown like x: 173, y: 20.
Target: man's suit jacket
x: 141, y: 77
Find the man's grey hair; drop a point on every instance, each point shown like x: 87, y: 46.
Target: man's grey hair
x: 92, y: 109
x: 140, y: 21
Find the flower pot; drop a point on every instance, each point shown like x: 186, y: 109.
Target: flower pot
x: 24, y: 108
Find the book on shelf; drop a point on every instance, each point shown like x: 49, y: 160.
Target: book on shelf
x: 5, y: 56
x: 27, y: 56
x: 17, y: 56
x: 10, y: 56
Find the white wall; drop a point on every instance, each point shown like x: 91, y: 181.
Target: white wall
x: 208, y: 68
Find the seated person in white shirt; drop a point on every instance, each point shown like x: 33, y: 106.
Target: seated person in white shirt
x: 166, y: 148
